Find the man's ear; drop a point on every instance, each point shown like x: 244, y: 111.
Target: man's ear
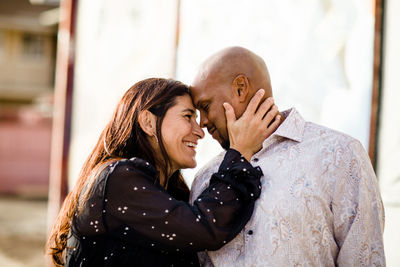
x: 148, y: 122
x: 241, y: 87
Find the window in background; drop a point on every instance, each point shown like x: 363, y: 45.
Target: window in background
x: 33, y: 46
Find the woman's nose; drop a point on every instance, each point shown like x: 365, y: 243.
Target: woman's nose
x: 198, y: 131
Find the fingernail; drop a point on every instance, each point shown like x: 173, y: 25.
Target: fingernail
x: 225, y: 105
x: 278, y: 117
x: 261, y: 91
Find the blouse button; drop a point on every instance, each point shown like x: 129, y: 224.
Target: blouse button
x: 250, y: 232
x: 255, y: 159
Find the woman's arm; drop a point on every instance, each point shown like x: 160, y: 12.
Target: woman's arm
x: 144, y: 209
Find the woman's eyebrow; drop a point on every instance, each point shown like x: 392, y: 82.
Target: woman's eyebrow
x: 189, y: 110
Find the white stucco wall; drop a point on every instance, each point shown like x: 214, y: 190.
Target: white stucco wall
x: 319, y: 54
x: 389, y: 132
x: 118, y: 43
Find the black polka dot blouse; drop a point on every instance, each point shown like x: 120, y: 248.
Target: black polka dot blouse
x: 130, y: 220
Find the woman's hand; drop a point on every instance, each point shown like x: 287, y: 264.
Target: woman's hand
x: 247, y: 133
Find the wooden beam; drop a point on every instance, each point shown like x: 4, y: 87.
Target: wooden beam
x: 58, y: 184
x: 377, y: 82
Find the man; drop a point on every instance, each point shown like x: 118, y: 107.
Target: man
x: 320, y: 203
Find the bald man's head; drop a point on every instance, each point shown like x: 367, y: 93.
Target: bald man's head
x: 231, y: 75
x: 225, y: 65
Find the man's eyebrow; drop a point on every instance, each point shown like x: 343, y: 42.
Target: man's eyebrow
x: 200, y: 103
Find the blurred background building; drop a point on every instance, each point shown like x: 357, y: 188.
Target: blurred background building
x: 65, y: 64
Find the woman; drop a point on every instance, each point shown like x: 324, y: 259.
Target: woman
x: 129, y: 205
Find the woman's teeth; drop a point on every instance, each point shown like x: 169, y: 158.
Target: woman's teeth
x: 190, y: 144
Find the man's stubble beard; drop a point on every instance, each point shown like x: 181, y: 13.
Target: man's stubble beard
x: 225, y: 144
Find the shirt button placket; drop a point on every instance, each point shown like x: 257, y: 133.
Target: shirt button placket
x: 247, y: 236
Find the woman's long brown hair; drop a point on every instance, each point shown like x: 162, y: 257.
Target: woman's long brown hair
x: 121, y: 138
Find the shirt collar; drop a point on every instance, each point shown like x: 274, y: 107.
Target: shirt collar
x: 292, y: 127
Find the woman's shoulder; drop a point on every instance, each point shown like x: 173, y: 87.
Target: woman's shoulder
x: 130, y: 166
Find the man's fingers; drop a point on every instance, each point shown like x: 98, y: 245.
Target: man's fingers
x: 229, y: 113
x: 254, y: 102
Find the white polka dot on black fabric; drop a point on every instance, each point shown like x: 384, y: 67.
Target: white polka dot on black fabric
x: 144, y: 213
x: 244, y: 170
x: 166, y: 211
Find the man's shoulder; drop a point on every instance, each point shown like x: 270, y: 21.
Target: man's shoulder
x: 204, y: 174
x: 211, y: 166
x: 313, y: 131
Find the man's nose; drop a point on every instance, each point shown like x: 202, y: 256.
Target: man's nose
x: 203, y: 120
